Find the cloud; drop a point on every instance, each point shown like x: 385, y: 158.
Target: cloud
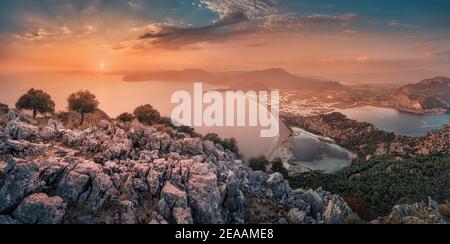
x: 246, y: 19
x: 38, y: 35
x: 396, y: 23
x: 293, y: 21
x: 171, y: 36
x: 250, y: 8
x: 445, y: 54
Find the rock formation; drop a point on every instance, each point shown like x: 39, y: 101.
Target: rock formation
x: 128, y: 173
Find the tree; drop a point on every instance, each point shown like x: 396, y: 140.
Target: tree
x: 83, y: 102
x: 146, y: 114
x: 37, y: 101
x: 125, y: 117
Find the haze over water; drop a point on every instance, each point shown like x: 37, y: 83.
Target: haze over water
x: 116, y: 97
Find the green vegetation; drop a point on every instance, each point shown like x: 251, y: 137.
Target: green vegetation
x: 381, y: 183
x: 82, y: 102
x: 261, y: 163
x: 125, y: 117
x: 4, y: 108
x: 258, y: 164
x: 146, y: 114
x: 37, y: 101
x: 277, y: 166
x: 229, y: 143
x: 63, y: 116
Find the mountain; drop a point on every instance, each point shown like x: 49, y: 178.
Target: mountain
x: 430, y: 96
x: 399, y: 77
x: 239, y: 80
x: 277, y: 79
x: 191, y: 75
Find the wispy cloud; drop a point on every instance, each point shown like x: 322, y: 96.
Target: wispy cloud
x: 396, y: 23
x: 235, y: 18
x: 251, y: 8
x: 293, y: 20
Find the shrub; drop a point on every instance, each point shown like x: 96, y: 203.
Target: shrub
x: 63, y: 116
x: 125, y: 117
x: 277, y: 166
x: 444, y: 209
x: 166, y: 121
x: 146, y: 114
x: 213, y: 137
x: 163, y: 128
x: 83, y: 102
x: 4, y: 109
x: 228, y: 144
x: 37, y: 101
x: 258, y: 164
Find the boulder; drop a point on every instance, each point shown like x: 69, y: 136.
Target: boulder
x: 336, y: 211
x: 21, y: 180
x: 278, y: 186
x: 17, y: 130
x: 204, y: 195
x: 315, y: 201
x: 40, y: 209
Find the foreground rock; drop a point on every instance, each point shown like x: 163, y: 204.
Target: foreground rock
x: 418, y: 213
x: 133, y: 174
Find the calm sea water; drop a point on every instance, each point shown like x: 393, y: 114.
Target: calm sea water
x: 400, y: 123
x: 319, y: 153
x: 116, y: 97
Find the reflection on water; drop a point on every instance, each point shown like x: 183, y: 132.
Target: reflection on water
x: 116, y: 97
x: 319, y: 153
x: 400, y: 123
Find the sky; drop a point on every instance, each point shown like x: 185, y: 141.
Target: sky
x: 317, y: 37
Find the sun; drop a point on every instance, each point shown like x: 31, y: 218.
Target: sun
x: 102, y: 66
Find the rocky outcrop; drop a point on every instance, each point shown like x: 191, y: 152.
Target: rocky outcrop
x: 418, y: 213
x: 365, y: 140
x: 133, y: 174
x: 431, y: 96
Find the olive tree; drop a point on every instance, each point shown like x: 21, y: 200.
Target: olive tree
x: 82, y: 102
x: 37, y: 101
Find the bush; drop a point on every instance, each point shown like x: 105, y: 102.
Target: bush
x: 4, y: 109
x: 258, y: 164
x: 444, y: 209
x: 213, y: 137
x: 163, y: 128
x: 37, y: 101
x: 277, y: 166
x: 167, y: 122
x: 146, y: 114
x: 228, y: 144
x: 63, y: 116
x: 82, y: 102
x: 188, y: 130
x: 125, y: 117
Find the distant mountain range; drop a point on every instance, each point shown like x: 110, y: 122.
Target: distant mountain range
x: 399, y: 77
x: 242, y: 80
